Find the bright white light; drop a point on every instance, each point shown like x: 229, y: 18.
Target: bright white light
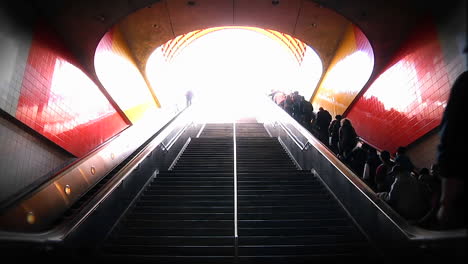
x: 229, y: 69
x: 394, y: 87
x: 124, y: 82
x: 343, y: 77
x: 76, y: 91
x: 77, y: 95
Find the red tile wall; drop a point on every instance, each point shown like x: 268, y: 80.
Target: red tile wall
x: 106, y: 42
x: 362, y: 43
x: 407, y: 100
x: 59, y: 101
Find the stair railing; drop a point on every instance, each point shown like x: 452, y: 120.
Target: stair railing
x: 30, y: 229
x: 302, y: 146
x: 381, y: 222
x: 174, y: 139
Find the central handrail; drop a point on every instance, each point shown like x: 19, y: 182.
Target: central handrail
x: 235, y: 179
x: 175, y: 138
x: 301, y: 145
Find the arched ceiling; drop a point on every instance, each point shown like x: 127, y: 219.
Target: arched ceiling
x: 174, y: 46
x: 150, y: 27
x: 147, y: 24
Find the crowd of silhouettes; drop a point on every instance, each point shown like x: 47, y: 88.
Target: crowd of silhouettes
x: 296, y: 106
x: 415, y: 194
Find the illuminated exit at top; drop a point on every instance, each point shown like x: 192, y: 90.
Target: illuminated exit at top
x: 231, y: 66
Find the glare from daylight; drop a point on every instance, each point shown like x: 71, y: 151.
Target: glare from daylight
x: 229, y: 69
x: 394, y: 88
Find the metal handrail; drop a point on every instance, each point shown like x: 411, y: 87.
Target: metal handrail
x: 60, y: 232
x: 175, y: 138
x: 413, y: 233
x: 301, y: 145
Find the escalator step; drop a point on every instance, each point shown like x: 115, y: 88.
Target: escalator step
x: 186, y: 215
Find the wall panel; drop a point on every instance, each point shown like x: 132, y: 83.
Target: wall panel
x: 347, y: 74
x: 117, y: 71
x: 60, y: 102
x: 407, y: 100
x: 26, y: 158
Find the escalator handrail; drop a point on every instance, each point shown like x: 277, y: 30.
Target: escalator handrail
x: 412, y: 232
x: 60, y: 232
x: 301, y: 145
x: 175, y: 138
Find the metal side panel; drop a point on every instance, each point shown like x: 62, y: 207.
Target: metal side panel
x: 154, y: 154
x: 376, y: 218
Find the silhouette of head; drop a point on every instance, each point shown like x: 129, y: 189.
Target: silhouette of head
x: 385, y: 155
x: 401, y: 150
x: 397, y: 169
x: 424, y: 171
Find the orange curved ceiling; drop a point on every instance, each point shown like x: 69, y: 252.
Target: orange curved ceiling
x: 175, y: 46
x: 148, y: 24
x: 316, y: 26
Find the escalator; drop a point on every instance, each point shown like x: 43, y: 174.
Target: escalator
x: 185, y: 215
x: 220, y: 193
x: 188, y: 214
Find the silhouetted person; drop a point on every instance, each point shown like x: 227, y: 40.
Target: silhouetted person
x: 347, y: 139
x: 297, y: 107
x: 432, y: 187
x: 406, y: 196
x: 437, y: 184
x: 356, y: 160
x: 323, y: 122
x: 307, y: 110
x: 288, y: 105
x: 372, y: 162
x: 403, y: 159
x: 188, y: 97
x: 333, y: 132
x: 451, y: 156
x: 383, y: 180
x: 279, y: 98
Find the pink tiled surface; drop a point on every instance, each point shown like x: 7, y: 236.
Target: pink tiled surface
x: 408, y: 99
x: 362, y: 44
x: 106, y: 42
x: 59, y: 101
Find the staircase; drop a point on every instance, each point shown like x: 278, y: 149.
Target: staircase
x: 287, y: 215
x: 186, y: 215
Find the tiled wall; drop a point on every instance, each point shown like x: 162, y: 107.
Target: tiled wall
x: 408, y: 99
x: 25, y: 158
x: 117, y: 71
x: 51, y: 112
x: 15, y: 40
x: 422, y: 152
x: 348, y: 72
x: 60, y: 102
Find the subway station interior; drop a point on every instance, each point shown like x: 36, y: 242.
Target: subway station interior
x: 105, y: 159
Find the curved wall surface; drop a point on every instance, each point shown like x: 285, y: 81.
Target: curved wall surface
x: 349, y: 71
x: 117, y: 71
x: 62, y: 103
x: 51, y: 112
x: 407, y: 100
